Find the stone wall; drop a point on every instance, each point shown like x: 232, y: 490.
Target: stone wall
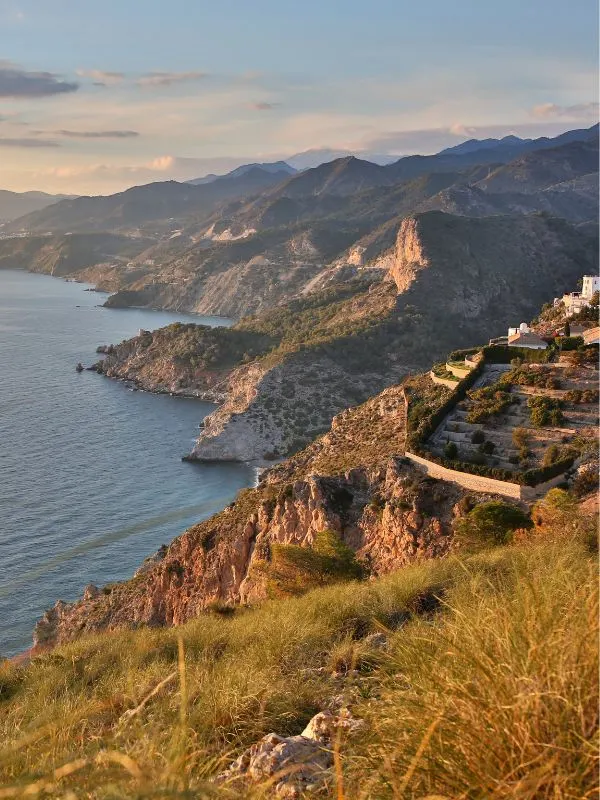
x: 459, y: 372
x: 479, y: 483
x: 443, y: 381
x: 476, y: 483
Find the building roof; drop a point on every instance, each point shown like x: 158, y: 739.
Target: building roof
x: 526, y: 340
x: 592, y: 335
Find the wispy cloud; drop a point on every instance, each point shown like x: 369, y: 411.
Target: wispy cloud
x: 169, y: 78
x: 27, y: 142
x: 102, y: 77
x: 583, y: 111
x: 96, y: 134
x: 17, y: 82
x: 263, y: 106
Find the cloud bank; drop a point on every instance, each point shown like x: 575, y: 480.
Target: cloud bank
x: 16, y: 82
x: 583, y: 111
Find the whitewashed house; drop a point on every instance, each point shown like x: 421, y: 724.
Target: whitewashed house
x: 523, y: 328
x: 576, y: 301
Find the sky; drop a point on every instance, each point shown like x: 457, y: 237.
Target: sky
x: 99, y: 95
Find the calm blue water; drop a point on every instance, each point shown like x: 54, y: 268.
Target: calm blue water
x: 91, y: 477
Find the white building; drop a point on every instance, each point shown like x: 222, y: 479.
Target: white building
x: 591, y: 284
x: 523, y: 328
x: 576, y: 301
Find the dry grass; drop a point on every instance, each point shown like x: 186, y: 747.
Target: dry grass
x: 493, y: 697
x: 498, y: 698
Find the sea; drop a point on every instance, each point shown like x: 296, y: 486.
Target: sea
x: 91, y: 476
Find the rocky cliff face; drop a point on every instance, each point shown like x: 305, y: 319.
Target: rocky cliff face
x: 378, y: 504
x: 274, y: 410
x: 477, y: 273
x: 451, y: 282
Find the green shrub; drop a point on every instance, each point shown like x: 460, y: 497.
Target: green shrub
x: 532, y: 477
x: 450, y: 450
x: 478, y: 437
x: 488, y: 401
x: 573, y: 396
x: 460, y: 355
x: 545, y: 411
x: 488, y: 448
x: 520, y: 437
x: 294, y: 569
x: 569, y: 342
x: 551, y: 456
x: 503, y: 354
x: 585, y: 481
x: 490, y: 524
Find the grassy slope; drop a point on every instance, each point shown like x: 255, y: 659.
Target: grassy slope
x: 493, y: 697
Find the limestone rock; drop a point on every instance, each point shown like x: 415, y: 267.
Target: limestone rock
x: 324, y: 726
x: 294, y: 763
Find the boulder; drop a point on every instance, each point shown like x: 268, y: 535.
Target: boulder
x: 292, y: 764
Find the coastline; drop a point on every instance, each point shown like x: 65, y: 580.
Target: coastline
x: 57, y: 332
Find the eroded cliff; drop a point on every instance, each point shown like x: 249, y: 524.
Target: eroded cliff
x: 353, y: 481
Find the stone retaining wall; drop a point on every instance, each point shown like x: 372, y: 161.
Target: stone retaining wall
x: 479, y: 483
x: 459, y: 372
x: 443, y: 381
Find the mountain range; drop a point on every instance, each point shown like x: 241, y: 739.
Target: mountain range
x: 265, y: 233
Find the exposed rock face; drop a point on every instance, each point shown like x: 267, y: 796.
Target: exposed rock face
x: 409, y: 254
x: 274, y: 410
x: 475, y: 273
x: 378, y: 504
x: 387, y: 520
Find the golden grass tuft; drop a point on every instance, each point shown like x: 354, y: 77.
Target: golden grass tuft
x: 493, y: 696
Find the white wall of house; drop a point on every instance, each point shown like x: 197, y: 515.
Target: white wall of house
x: 591, y: 284
x: 542, y: 346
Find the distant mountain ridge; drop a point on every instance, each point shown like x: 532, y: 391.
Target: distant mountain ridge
x: 272, y: 167
x: 17, y: 204
x: 171, y: 201
x: 162, y: 201
x: 473, y: 145
x: 251, y: 240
